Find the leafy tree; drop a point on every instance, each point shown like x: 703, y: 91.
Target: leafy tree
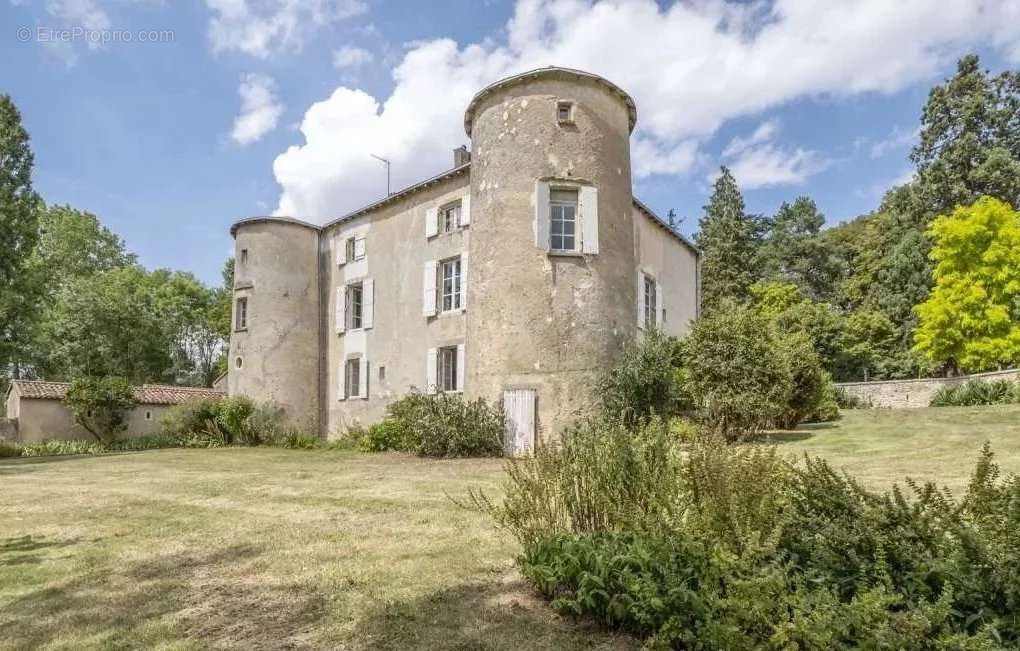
x: 108, y: 324
x: 643, y: 382
x: 869, y: 347
x: 73, y: 243
x: 970, y: 139
x: 729, y: 240
x: 101, y: 405
x: 19, y: 229
x: 972, y: 318
x: 794, y: 251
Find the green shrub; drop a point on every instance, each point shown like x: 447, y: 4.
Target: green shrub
x: 59, y: 448
x: 755, y: 553
x: 189, y: 418
x: 808, y: 379
x: 643, y: 381
x: 974, y: 393
x: 441, y: 425
x: 232, y: 420
x: 827, y: 409
x: 387, y: 434
x: 295, y: 439
x: 736, y: 371
x: 9, y: 449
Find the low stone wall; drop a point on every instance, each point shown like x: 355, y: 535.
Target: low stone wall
x: 911, y: 394
x: 8, y: 429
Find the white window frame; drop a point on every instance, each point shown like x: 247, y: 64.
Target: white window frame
x: 450, y: 217
x: 447, y: 370
x: 574, y: 220
x: 240, y: 314
x: 355, y: 317
x: 352, y: 367
x: 455, y: 293
x: 650, y: 302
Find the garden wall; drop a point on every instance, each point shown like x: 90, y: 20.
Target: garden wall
x: 8, y: 429
x: 911, y: 394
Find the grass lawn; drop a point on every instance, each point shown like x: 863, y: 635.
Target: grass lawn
x: 940, y: 444
x: 270, y: 549
x: 261, y: 549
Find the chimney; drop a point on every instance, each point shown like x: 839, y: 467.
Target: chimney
x: 461, y: 156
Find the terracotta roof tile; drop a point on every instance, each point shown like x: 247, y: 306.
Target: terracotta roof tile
x: 147, y: 394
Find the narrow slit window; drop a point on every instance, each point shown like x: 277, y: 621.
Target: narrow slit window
x: 650, y: 302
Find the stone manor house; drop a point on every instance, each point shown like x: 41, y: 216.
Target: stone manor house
x: 517, y: 275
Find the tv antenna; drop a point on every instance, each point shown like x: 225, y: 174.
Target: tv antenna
x: 387, y: 164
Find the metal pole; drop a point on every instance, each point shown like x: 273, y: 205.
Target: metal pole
x: 387, y: 164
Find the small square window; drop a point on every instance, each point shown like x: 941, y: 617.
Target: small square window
x: 565, y: 112
x: 241, y: 314
x: 353, y: 371
x: 447, y: 380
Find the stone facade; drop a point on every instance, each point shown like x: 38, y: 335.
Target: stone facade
x: 912, y: 394
x: 8, y: 429
x: 468, y: 270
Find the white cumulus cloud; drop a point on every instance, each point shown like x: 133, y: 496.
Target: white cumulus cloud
x: 260, y: 109
x: 690, y: 67
x: 758, y: 161
x: 350, y: 57
x: 264, y: 27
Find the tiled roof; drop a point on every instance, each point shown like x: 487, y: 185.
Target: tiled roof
x: 147, y: 394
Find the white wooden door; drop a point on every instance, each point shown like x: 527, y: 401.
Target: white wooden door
x: 519, y: 409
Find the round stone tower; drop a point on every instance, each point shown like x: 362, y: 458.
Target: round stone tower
x: 541, y: 317
x: 274, y: 344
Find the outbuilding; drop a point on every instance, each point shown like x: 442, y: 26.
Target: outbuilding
x: 36, y: 410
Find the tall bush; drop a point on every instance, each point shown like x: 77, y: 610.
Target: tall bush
x: 643, y: 382
x: 736, y: 371
x: 440, y: 425
x: 101, y: 405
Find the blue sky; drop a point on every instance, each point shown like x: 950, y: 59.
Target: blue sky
x: 257, y: 106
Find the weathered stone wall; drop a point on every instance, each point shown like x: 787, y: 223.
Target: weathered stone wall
x: 911, y: 394
x: 279, y: 350
x: 538, y: 320
x: 8, y: 429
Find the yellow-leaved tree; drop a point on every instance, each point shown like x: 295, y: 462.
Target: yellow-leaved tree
x: 972, y: 316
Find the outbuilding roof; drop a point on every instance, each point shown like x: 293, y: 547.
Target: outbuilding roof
x: 146, y: 394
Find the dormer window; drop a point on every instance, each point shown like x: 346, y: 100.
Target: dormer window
x: 565, y: 112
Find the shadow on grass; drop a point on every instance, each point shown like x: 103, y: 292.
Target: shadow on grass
x: 20, y: 550
x: 172, y: 597
x: 494, y: 615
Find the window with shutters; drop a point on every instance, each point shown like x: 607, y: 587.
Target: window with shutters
x: 447, y: 367
x: 449, y: 217
x: 241, y: 314
x: 349, y: 248
x: 650, y: 301
x: 562, y: 219
x: 352, y: 378
x: 449, y: 285
x: 355, y: 306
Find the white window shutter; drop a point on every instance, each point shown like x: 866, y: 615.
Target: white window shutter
x: 542, y: 215
x: 341, y: 309
x: 429, y: 289
x: 640, y: 299
x: 340, y: 243
x: 341, y: 383
x: 363, y: 377
x: 431, y: 222
x: 430, y: 371
x: 367, y: 303
x: 463, y: 280
x: 589, y: 199
x: 660, y: 305
x: 465, y: 210
x: 359, y: 248
x: 460, y: 367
